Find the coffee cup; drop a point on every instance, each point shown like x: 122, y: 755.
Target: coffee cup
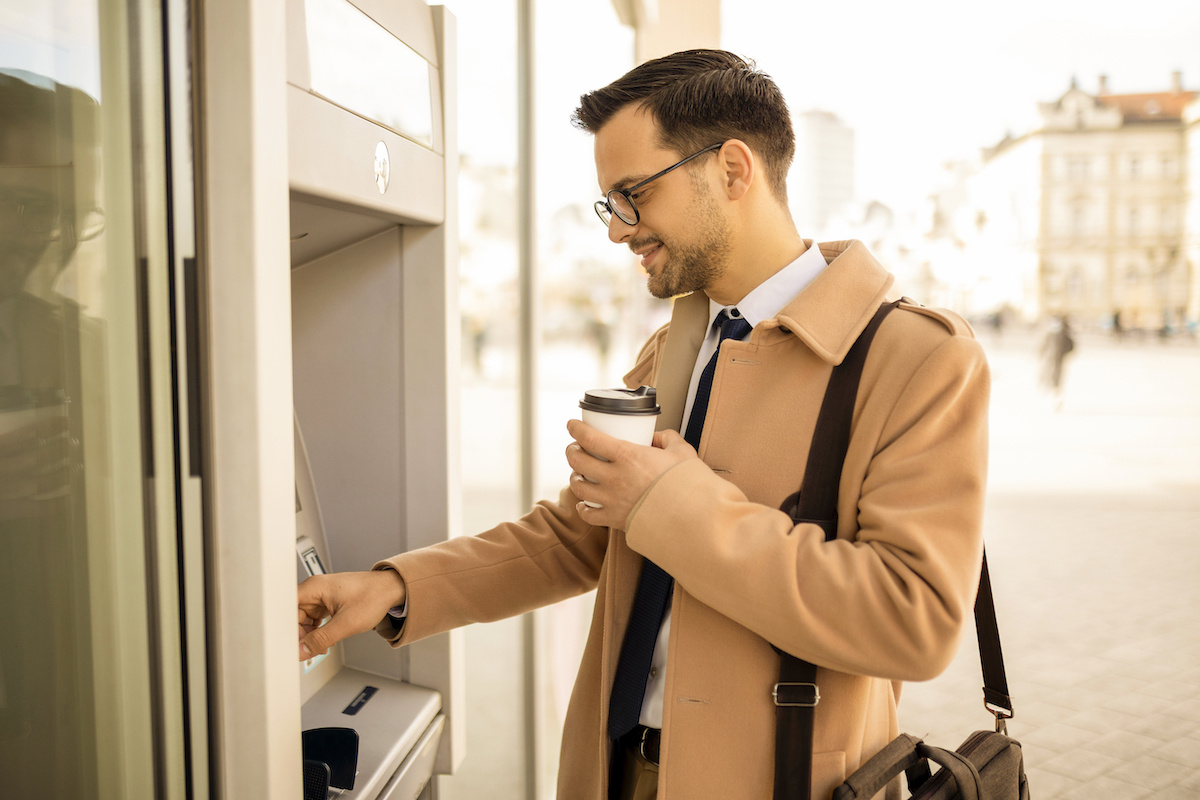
x: 628, y: 414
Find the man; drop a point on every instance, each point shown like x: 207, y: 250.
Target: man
x: 692, y: 152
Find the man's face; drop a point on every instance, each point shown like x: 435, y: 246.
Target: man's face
x: 30, y: 204
x: 682, y: 235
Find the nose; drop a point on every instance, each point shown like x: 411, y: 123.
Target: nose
x: 619, y: 231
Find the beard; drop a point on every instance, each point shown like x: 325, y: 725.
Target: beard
x: 693, y: 266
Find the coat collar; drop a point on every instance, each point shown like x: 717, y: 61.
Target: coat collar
x: 827, y: 316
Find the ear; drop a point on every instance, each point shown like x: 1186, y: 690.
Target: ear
x: 739, y: 168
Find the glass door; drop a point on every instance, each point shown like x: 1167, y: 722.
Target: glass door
x: 92, y: 650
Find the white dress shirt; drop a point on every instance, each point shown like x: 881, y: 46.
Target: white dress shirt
x: 762, y: 303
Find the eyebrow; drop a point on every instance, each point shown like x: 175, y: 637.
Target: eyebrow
x: 626, y: 182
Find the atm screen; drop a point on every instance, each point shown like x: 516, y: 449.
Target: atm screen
x: 358, y: 64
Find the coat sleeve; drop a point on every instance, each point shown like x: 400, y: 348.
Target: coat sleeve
x: 889, y: 596
x: 548, y: 555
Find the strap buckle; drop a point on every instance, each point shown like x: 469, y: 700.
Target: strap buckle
x: 789, y: 694
x: 1001, y: 714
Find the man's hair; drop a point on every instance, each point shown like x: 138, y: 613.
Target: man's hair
x: 50, y: 113
x: 699, y: 98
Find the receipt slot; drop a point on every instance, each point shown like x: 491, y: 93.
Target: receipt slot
x: 373, y: 244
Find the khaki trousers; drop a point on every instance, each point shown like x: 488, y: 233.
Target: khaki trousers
x: 639, y: 778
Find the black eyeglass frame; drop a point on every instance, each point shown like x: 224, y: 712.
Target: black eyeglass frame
x: 604, y: 208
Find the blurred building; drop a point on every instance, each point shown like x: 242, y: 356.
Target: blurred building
x: 1191, y: 219
x: 821, y: 182
x: 1094, y: 214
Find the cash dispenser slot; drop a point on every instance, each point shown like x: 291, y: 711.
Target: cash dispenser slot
x: 335, y: 750
x: 399, y: 728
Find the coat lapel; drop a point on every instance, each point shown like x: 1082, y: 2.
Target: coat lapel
x: 689, y: 324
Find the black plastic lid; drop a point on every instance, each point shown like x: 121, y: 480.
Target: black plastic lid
x: 634, y: 402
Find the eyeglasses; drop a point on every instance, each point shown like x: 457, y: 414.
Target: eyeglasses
x: 38, y: 215
x: 620, y: 201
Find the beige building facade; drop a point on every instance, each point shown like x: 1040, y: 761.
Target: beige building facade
x: 1094, y: 214
x: 1191, y: 219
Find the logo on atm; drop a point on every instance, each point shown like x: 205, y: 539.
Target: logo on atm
x: 383, y: 167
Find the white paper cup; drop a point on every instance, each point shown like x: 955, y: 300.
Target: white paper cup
x: 628, y: 414
x: 636, y: 429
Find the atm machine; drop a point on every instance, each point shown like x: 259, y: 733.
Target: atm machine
x: 372, y: 173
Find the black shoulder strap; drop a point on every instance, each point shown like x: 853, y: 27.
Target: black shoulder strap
x: 991, y: 659
x: 796, y: 694
x: 831, y: 437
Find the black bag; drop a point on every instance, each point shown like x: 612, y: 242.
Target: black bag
x: 988, y: 765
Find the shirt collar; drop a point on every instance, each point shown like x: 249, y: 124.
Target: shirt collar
x: 770, y: 297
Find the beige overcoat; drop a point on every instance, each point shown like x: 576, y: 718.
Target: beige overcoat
x: 883, y: 603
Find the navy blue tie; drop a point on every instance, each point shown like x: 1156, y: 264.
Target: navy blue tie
x: 731, y: 327
x: 654, y: 587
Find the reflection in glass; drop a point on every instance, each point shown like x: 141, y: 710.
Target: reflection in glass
x: 74, y: 687
x: 40, y: 484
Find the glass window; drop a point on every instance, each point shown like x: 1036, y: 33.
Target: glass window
x: 1078, y: 168
x: 75, y: 661
x: 593, y: 314
x: 1076, y: 284
x: 1078, y: 218
x: 491, y: 445
x: 1167, y: 219
x: 593, y: 307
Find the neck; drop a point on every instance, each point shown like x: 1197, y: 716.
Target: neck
x: 760, y: 249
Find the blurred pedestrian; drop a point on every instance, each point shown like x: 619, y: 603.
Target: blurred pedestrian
x: 1058, y: 344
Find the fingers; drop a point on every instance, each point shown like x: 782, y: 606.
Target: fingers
x: 671, y: 441
x: 591, y: 475
x: 600, y: 516
x: 585, y: 488
x: 596, y: 443
x: 586, y: 465
x: 310, y: 613
x: 318, y: 640
x: 336, y: 606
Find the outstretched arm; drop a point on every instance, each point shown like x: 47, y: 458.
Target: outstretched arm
x: 353, y: 602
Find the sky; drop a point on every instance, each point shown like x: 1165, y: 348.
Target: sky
x: 929, y: 81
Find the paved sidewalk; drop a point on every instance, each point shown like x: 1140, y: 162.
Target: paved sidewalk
x: 1093, y: 532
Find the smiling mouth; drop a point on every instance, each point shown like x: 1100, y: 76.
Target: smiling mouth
x: 648, y: 255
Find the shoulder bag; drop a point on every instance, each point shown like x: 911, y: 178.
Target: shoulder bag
x: 989, y: 764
